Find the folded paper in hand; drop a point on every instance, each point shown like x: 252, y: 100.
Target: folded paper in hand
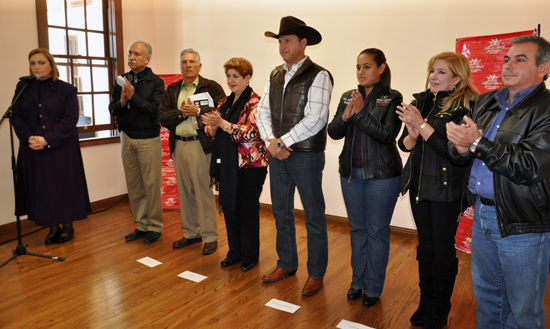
x: 202, y: 100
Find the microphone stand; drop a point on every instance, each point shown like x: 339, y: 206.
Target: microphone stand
x: 21, y: 249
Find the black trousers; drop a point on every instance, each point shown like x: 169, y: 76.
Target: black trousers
x: 243, y: 225
x: 436, y: 223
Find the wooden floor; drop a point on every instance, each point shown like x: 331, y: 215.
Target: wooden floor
x: 101, y: 285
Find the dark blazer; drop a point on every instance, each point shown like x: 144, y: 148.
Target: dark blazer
x: 170, y: 117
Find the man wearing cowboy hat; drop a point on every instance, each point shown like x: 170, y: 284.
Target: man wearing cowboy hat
x: 292, y: 119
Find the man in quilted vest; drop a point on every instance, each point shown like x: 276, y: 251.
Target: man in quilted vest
x: 292, y: 119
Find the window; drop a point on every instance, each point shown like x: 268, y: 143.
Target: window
x: 85, y: 37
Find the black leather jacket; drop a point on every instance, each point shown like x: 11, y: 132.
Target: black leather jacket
x: 438, y: 180
x: 380, y: 126
x: 519, y: 157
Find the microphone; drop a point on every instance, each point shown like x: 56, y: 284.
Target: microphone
x: 30, y: 77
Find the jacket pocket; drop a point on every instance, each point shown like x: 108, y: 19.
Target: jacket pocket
x: 540, y: 195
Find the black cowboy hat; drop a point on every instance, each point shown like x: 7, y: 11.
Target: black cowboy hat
x: 292, y: 25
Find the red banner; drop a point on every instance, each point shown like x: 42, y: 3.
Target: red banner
x: 169, y: 188
x: 486, y: 56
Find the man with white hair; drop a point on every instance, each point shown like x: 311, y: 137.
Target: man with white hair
x: 134, y: 103
x: 191, y: 151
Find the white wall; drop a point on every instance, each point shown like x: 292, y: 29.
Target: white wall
x: 409, y: 32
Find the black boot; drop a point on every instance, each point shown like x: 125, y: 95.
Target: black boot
x: 53, y: 236
x: 438, y: 316
x: 426, y: 294
x: 67, y: 233
x: 424, y: 308
x: 443, y: 285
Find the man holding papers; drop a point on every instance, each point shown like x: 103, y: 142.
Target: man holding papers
x: 181, y: 106
x: 134, y: 102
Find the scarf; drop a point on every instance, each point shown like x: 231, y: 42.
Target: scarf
x: 225, y: 158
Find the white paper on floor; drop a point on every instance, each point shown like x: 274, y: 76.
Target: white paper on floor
x: 192, y: 276
x: 344, y: 324
x: 149, y: 261
x: 282, y: 306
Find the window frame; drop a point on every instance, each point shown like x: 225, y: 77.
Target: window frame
x: 112, y: 13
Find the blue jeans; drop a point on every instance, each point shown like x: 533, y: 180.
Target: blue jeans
x: 302, y: 170
x: 508, y: 274
x: 369, y: 204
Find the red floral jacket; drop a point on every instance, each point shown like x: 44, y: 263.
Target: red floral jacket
x: 251, y: 147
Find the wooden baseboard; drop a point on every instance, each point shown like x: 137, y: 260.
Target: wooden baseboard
x: 105, y: 203
x: 99, y: 205
x: 395, y: 230
x: 404, y: 232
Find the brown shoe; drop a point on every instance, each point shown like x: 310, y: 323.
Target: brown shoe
x: 312, y: 286
x: 184, y: 242
x: 278, y: 274
x: 209, y: 247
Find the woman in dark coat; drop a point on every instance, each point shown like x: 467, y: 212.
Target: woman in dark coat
x: 51, y: 184
x: 434, y: 184
x: 239, y: 164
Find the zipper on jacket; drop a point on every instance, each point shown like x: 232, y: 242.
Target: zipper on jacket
x: 351, y: 155
x: 420, y: 174
x: 363, y: 160
x: 423, y: 145
x: 363, y: 140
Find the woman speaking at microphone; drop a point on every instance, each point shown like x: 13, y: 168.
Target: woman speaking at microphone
x: 51, y: 184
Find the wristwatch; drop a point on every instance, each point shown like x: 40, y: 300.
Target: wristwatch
x: 473, y: 146
x: 280, y: 143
